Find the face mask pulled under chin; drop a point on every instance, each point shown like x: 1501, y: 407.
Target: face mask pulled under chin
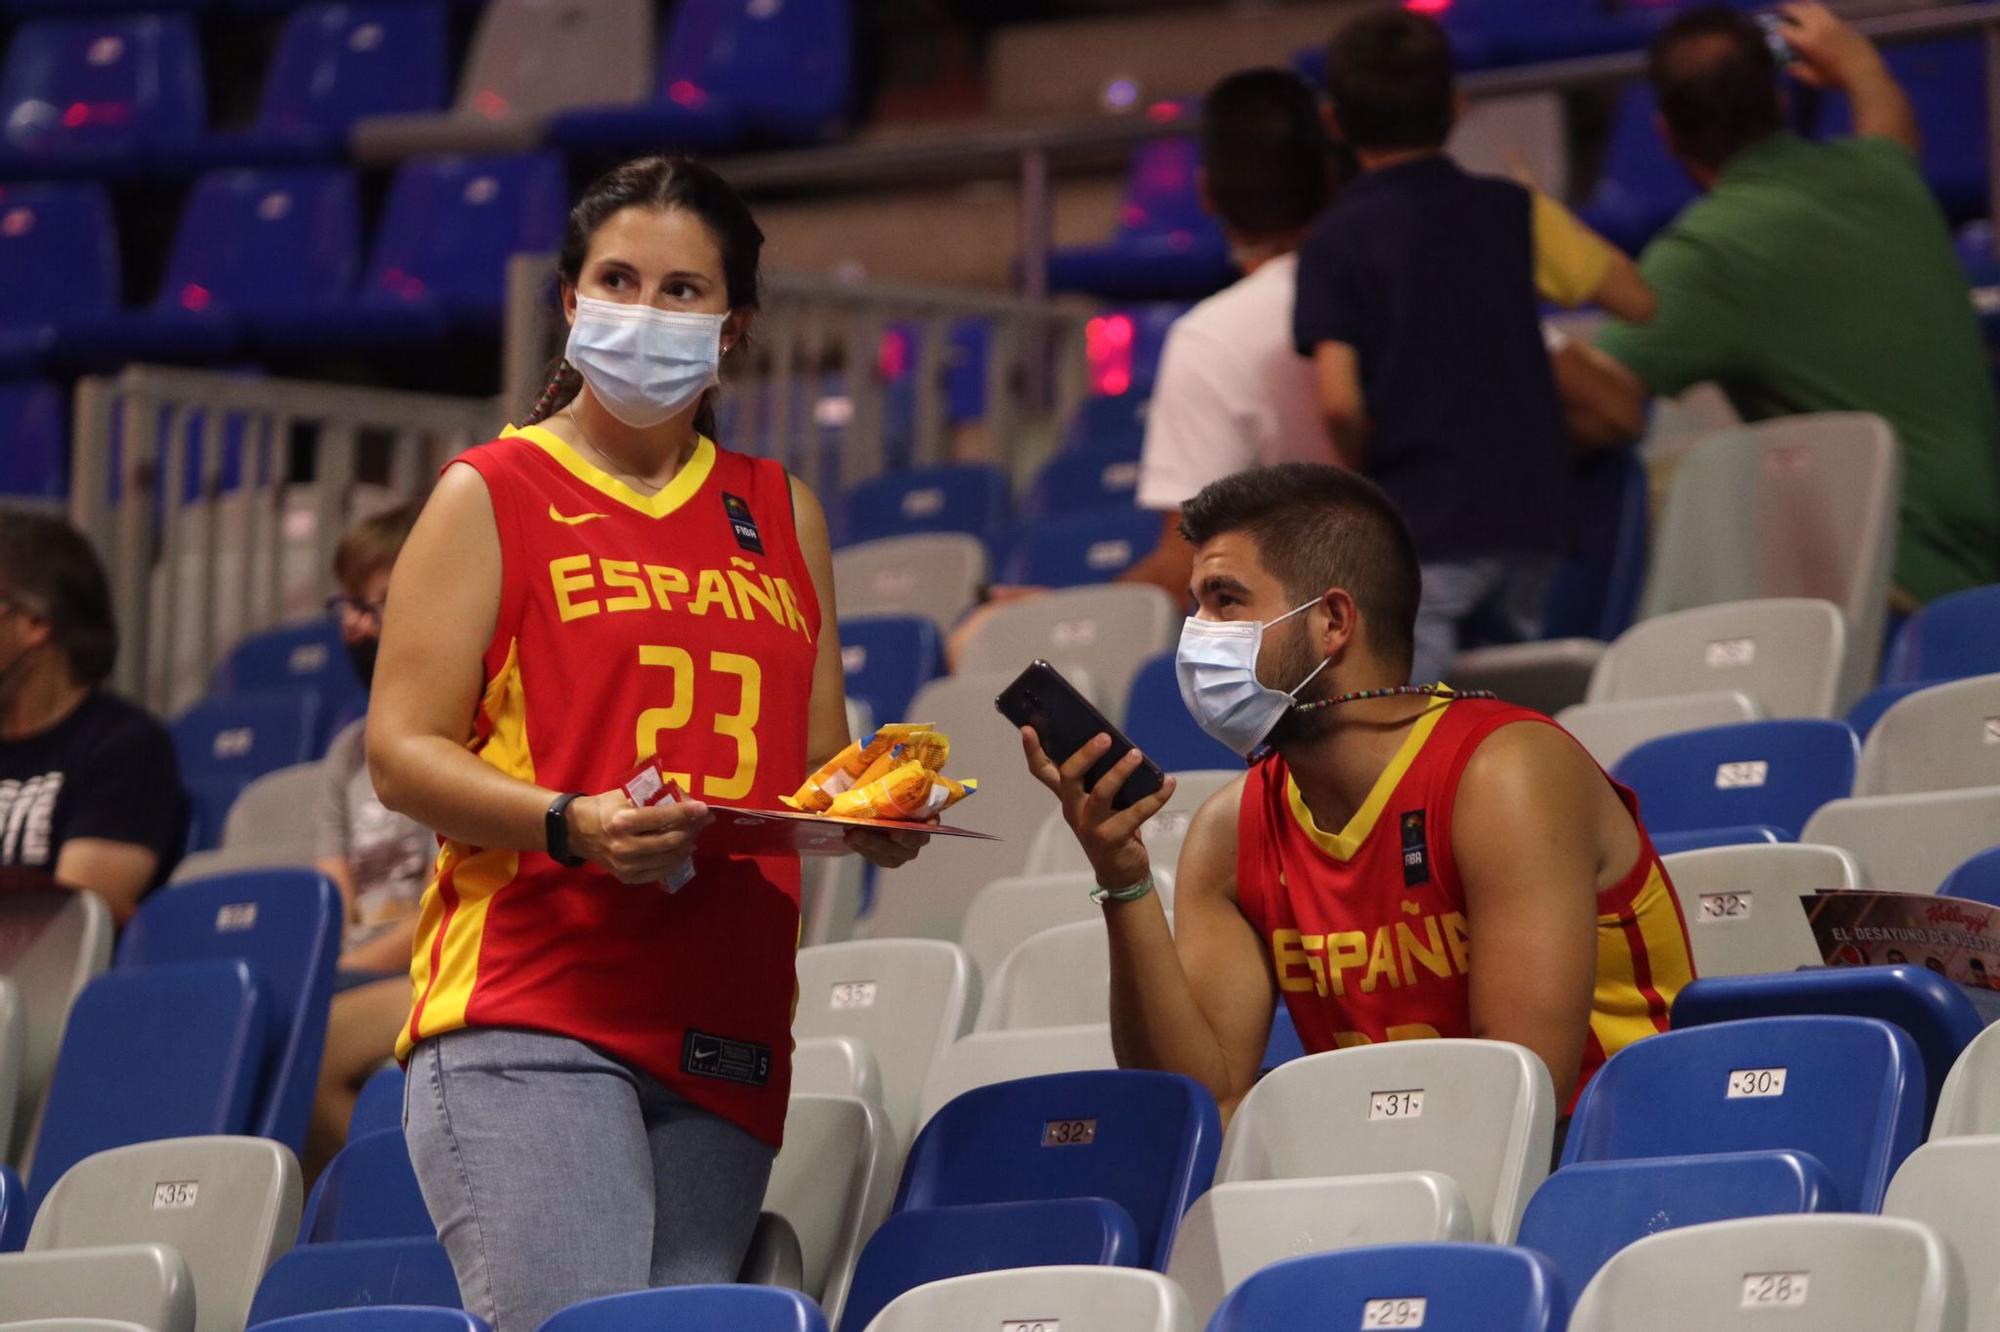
x: 1216, y: 664
x: 644, y: 365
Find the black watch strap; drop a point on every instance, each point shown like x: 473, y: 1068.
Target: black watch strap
x: 555, y: 828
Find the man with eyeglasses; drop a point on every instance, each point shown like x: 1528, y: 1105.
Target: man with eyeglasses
x: 90, y: 795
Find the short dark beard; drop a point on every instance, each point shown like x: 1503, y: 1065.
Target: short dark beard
x: 1293, y: 659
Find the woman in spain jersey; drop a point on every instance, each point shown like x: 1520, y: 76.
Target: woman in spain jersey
x: 599, y: 1062
x: 1403, y: 862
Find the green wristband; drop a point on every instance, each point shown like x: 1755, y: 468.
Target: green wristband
x: 1101, y: 894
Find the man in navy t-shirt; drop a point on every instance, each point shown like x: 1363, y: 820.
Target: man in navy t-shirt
x: 1417, y: 304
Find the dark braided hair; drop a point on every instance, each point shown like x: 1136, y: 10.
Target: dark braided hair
x: 663, y: 183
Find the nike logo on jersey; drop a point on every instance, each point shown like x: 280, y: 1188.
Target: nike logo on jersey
x: 569, y: 521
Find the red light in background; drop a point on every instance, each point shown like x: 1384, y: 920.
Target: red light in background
x: 1427, y: 6
x: 1107, y: 342
x: 1163, y: 113
x: 687, y: 94
x: 194, y: 296
x: 490, y: 104
x: 893, y: 360
x: 76, y: 115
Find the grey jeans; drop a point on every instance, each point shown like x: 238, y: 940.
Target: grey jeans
x: 1503, y: 595
x: 555, y: 1173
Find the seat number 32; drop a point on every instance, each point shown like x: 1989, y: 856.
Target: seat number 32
x: 649, y: 736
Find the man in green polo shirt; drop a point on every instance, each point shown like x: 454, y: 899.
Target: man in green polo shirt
x: 1811, y: 277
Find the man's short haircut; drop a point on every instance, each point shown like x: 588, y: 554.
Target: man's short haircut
x: 1388, y: 72
x: 1265, y: 152
x: 1716, y: 82
x: 49, y: 570
x: 371, y: 545
x: 1317, y: 526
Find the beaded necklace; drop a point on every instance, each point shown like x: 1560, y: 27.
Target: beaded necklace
x: 1395, y: 691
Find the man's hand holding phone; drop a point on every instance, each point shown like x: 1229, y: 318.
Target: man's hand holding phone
x: 1109, y: 837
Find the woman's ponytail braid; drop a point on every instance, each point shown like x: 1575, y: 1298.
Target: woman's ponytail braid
x: 565, y: 382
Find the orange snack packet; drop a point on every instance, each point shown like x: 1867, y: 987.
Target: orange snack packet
x: 850, y: 766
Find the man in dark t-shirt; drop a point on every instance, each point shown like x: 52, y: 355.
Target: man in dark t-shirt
x: 90, y: 795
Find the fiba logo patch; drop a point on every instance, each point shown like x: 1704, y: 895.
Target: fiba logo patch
x: 1416, y: 860
x: 742, y: 524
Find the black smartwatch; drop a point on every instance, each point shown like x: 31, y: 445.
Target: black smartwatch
x: 555, y: 828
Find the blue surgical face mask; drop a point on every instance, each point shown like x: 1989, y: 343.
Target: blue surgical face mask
x: 644, y: 365
x: 1217, y: 667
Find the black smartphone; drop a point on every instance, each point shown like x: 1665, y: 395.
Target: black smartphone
x: 1065, y: 721
x: 1774, y: 37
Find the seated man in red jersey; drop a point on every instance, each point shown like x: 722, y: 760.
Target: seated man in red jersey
x: 1385, y: 837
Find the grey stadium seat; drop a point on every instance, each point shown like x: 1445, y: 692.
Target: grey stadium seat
x: 1029, y: 1299
x: 1055, y: 850
x: 1953, y: 1186
x: 835, y: 1066
x: 987, y: 1057
x: 1108, y: 631
x: 1008, y: 911
x: 1943, y: 738
x: 1741, y: 903
x: 1610, y: 731
x: 529, y: 60
x: 1969, y: 1104
x: 13, y: 1051
x: 1786, y: 654
x: 1909, y: 843
x: 833, y: 1181
x: 143, y: 1284
x: 198, y: 865
x: 1829, y: 1272
x: 51, y: 945
x: 936, y: 574
x: 278, y: 810
x: 1060, y: 977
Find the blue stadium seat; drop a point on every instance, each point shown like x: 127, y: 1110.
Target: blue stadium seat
x: 291, y: 657
x: 1978, y: 879
x: 380, y: 1318
x: 1946, y: 83
x: 1932, y: 1010
x: 1159, y: 723
x: 962, y: 497
x: 1462, y: 1287
x: 380, y: 1105
x: 1641, y: 187
x: 731, y: 69
x: 1868, y: 709
x: 887, y: 658
x: 1760, y: 772
x: 149, y: 1053
x: 284, y: 924
x: 312, y: 1278
x: 1668, y: 844
x: 336, y: 63
x: 1151, y: 1148
x: 368, y: 1192
x: 913, y: 1248
x: 98, y: 95
x: 1582, y: 1214
x: 223, y: 743
x: 1846, y: 1090
x: 34, y: 444
x: 738, y: 1308
x: 14, y: 1211
x: 1953, y: 637
x: 1076, y: 549
x: 1165, y: 245
x: 1099, y: 474
x: 1594, y: 592
x: 1109, y: 421
x: 1283, y: 1045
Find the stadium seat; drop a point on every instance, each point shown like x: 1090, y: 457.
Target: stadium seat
x: 1583, y: 1214
x: 34, y: 439
x: 1159, y: 723
x: 1969, y: 1105
x: 529, y: 60
x: 1641, y: 187
x: 286, y: 924
x: 228, y: 1206
x: 14, y: 1211
x: 1079, y: 548
x: 987, y: 1057
x: 1910, y: 843
x: 1932, y: 1010
x: 1668, y: 844
x: 110, y: 1289
x: 1097, y: 476
x: 1059, y: 977
x: 1283, y: 1045
x: 51, y: 944
x: 1108, y: 632
x: 1103, y: 1299
x: 97, y: 95
x: 1943, y: 738
x: 915, y: 1248
x: 1741, y: 903
x: 381, y: 1318
x: 908, y: 999
x: 368, y: 1192
x: 933, y: 574
x: 1146, y: 1141
x: 222, y: 743
x: 970, y: 498
x: 1239, y: 1228
x: 1946, y: 82
x: 1953, y: 1186
x: 887, y: 658
x: 729, y: 70
x: 313, y: 1278
x: 835, y: 1066
x: 309, y: 654
x: 1787, y: 654
x: 276, y: 812
x: 1449, y: 1287
x: 833, y: 1181
x: 1165, y: 244
x: 1610, y: 731
x: 1846, y: 1273
x: 380, y: 1104
x: 1481, y: 1112
x: 1055, y: 849
x: 1847, y: 1090
x: 1768, y: 772
x: 739, y: 1308
x: 1868, y: 709
x: 1007, y: 912
x: 151, y: 1052
x: 1951, y: 638
x: 1114, y: 422
x: 1977, y: 879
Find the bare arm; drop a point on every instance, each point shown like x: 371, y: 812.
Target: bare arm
x: 826, y: 717
x: 1604, y: 402
x: 1827, y: 53
x: 1623, y: 293
x: 1171, y: 562
x: 1524, y: 836
x: 337, y: 869
x: 118, y: 872
x: 1338, y: 373
x: 387, y: 951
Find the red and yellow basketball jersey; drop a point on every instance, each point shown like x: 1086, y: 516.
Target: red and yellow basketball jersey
x: 1367, y: 929
x: 682, y: 623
